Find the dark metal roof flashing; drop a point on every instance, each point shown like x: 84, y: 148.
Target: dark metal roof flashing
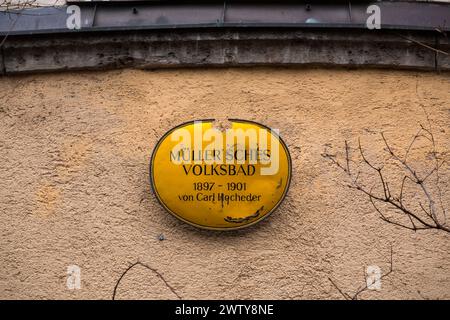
x: 413, y: 35
x: 138, y: 15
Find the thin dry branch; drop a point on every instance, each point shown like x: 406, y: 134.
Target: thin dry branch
x: 423, y: 44
x: 10, y: 5
x: 365, y: 287
x: 15, y: 9
x: 159, y: 275
x: 431, y: 215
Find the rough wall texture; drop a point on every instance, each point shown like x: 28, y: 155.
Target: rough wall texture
x: 74, y: 156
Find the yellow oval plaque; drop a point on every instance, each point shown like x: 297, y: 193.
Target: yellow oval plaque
x: 220, y: 179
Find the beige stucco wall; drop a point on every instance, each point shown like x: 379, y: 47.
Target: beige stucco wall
x: 74, y: 157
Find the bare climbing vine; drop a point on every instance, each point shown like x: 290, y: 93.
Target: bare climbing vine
x: 10, y: 5
x: 366, y: 286
x: 15, y: 9
x: 158, y: 274
x: 428, y: 213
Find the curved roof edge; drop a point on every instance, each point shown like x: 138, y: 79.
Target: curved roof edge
x: 104, y: 16
x: 149, y: 49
